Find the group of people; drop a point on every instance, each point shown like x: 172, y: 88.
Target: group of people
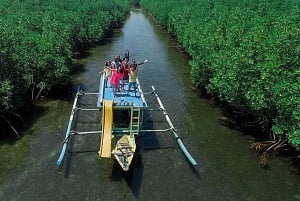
x: 121, y: 72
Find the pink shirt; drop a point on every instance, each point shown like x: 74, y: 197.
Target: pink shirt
x: 115, y: 77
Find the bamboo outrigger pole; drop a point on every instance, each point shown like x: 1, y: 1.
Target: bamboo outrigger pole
x: 68, y: 133
x: 178, y: 139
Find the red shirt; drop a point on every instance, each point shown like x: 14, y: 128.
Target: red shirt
x: 115, y: 77
x: 125, y: 71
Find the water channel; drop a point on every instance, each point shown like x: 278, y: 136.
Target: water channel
x: 227, y: 169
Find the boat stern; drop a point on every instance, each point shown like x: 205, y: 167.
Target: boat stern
x: 124, y: 151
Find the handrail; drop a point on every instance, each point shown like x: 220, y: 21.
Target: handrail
x: 101, y: 90
x: 141, y: 93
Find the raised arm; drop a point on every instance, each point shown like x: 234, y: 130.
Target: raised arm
x: 142, y: 62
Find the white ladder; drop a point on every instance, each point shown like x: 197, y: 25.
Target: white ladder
x: 135, y: 121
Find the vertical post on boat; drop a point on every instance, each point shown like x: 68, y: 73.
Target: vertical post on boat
x: 101, y: 90
x: 66, y: 140
x: 178, y: 139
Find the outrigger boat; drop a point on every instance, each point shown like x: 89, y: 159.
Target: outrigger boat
x: 118, y: 137
x: 125, y: 107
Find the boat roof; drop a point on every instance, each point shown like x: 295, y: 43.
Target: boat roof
x: 122, y: 99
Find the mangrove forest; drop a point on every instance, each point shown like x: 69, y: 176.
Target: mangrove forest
x: 245, y: 53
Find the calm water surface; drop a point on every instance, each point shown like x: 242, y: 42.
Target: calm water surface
x: 227, y: 170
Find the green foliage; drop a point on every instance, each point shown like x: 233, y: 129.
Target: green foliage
x: 5, y: 94
x: 40, y: 39
x: 244, y: 52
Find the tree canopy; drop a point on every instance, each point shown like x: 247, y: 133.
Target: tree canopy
x: 40, y: 39
x: 244, y: 52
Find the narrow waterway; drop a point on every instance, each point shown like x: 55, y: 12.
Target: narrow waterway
x: 227, y: 169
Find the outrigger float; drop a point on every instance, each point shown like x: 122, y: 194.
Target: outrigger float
x: 119, y: 140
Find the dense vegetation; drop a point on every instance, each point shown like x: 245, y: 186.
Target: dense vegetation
x: 40, y: 40
x: 244, y: 52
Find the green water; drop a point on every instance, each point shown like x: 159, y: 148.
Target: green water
x: 227, y: 169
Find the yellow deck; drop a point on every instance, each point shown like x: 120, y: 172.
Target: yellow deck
x: 107, y: 119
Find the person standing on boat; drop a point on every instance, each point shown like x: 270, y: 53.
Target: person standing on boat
x: 117, y: 61
x: 126, y: 56
x: 132, y: 73
x: 116, y: 74
x: 107, y: 72
x: 125, y: 69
